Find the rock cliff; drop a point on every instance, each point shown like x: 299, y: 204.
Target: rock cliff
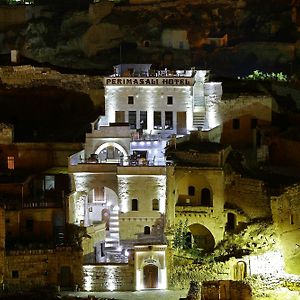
x: 229, y: 37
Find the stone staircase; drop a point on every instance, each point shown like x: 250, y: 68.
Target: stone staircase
x: 198, y: 119
x: 113, y: 253
x: 112, y: 239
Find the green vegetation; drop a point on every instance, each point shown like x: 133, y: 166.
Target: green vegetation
x: 181, y: 236
x: 259, y: 75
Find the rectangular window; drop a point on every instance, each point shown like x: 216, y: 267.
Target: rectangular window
x: 170, y: 100
x: 143, y: 119
x: 169, y: 120
x: 236, y: 123
x: 15, y: 274
x: 157, y: 120
x: 49, y: 182
x: 134, y: 205
x: 181, y: 45
x: 10, y: 162
x: 130, y: 99
x: 253, y: 123
x: 120, y: 116
x: 132, y: 119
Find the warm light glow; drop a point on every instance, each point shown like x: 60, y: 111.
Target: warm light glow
x: 111, y: 280
x: 87, y: 283
x: 139, y: 284
x: 162, y: 284
x: 270, y: 264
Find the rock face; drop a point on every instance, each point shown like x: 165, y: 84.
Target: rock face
x: 229, y: 37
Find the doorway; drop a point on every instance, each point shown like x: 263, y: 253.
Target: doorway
x: 181, y: 122
x: 150, y: 276
x: 66, y: 278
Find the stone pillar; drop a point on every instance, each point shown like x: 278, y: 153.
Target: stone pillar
x: 169, y: 254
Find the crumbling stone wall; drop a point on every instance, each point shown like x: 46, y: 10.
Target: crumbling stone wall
x: 250, y: 196
x: 285, y: 211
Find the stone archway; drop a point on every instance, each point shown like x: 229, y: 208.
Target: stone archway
x: 202, y: 237
x: 111, y: 152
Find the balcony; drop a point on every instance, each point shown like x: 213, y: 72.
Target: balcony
x: 193, y: 209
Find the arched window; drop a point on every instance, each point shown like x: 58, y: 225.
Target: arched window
x: 134, y: 204
x: 146, y: 230
x: 191, y: 190
x: 205, y: 197
x: 155, y: 204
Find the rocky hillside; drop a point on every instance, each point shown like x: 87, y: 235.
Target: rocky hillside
x: 229, y: 37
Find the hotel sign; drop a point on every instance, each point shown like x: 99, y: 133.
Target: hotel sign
x: 149, y: 81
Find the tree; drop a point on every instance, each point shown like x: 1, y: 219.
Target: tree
x: 181, y: 236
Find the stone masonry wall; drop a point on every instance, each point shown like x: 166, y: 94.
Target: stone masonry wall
x: 37, y: 268
x: 286, y: 216
x: 109, y: 277
x: 250, y: 196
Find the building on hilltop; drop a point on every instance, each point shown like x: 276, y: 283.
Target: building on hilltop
x: 124, y: 179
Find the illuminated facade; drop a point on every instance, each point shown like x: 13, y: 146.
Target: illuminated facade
x: 120, y: 178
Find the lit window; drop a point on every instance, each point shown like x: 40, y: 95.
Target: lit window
x: 236, y: 123
x: 49, y: 182
x: 170, y: 100
x: 169, y: 120
x: 120, y: 116
x: 132, y: 119
x: 130, y: 99
x: 155, y: 204
x: 143, y: 119
x: 11, y: 162
x: 157, y: 120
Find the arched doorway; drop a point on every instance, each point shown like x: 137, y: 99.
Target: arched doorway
x: 150, y: 276
x: 111, y: 153
x: 205, y: 198
x: 202, y: 237
x: 231, y: 221
x: 240, y: 270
